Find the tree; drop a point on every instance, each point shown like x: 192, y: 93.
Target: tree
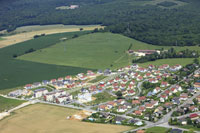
x: 14, y: 55
x: 81, y: 29
x: 196, y: 61
x: 119, y: 94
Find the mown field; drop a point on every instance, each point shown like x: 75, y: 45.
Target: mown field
x: 96, y: 51
x: 156, y: 130
x: 15, y: 72
x: 6, y: 103
x: 41, y: 118
x: 171, y: 62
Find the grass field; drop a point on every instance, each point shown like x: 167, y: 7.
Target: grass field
x: 171, y: 62
x: 6, y: 103
x: 156, y: 130
x: 101, y: 98
x: 42, y: 118
x: 99, y: 78
x: 28, y: 32
x: 18, y: 72
x: 96, y: 51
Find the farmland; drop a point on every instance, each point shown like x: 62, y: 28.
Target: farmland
x: 171, y: 62
x: 51, y: 119
x: 28, y: 32
x: 20, y: 72
x: 95, y: 51
x: 6, y: 103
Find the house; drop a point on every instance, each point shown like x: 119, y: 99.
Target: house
x: 119, y: 120
x: 90, y: 73
x: 137, y: 112
x: 128, y: 105
x: 63, y: 98
x: 28, y: 86
x: 60, y: 79
x: 193, y: 109
x: 164, y: 84
x: 197, y: 85
x: 142, y: 98
x: 140, y: 131
x: 86, y: 97
x: 102, y: 107
x: 147, y: 75
x: 53, y: 81
x: 167, y: 92
x: 198, y: 98
x: 174, y: 90
x: 139, y: 78
x: 130, y: 86
x: 142, y: 108
x: 40, y: 92
x: 155, y: 103
x: 183, y: 121
x: 139, y: 123
x: 176, y: 100
x: 194, y: 116
x: 183, y: 96
x: 45, y: 82
x: 132, y: 82
x: 111, y: 104
x: 135, y: 102
x: 156, y: 90
x: 122, y: 109
x: 16, y: 93
x: 37, y: 84
x: 49, y: 96
x: 163, y: 98
x: 120, y: 101
x: 149, y: 105
x: 153, y: 80
x: 131, y: 92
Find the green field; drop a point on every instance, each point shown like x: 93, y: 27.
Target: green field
x: 156, y: 130
x: 6, y: 103
x: 95, y: 51
x: 99, y: 78
x: 171, y: 62
x: 19, y: 72
x: 1, y: 39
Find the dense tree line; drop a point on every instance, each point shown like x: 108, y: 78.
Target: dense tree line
x: 148, y: 23
x: 171, y: 53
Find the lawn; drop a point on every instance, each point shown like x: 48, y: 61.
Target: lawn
x: 52, y: 119
x: 190, y: 127
x: 171, y: 62
x: 99, y: 78
x: 6, y: 103
x: 156, y: 130
x: 101, y: 98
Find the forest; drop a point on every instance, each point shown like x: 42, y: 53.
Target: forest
x: 164, y: 23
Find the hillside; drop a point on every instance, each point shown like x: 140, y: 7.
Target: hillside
x: 158, y: 22
x: 95, y: 51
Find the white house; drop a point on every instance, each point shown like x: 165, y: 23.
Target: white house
x: 40, y: 92
x: 86, y: 97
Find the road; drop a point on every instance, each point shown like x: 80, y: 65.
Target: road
x: 164, y: 120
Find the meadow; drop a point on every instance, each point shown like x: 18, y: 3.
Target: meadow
x: 52, y: 119
x: 97, y: 51
x: 156, y: 130
x: 18, y: 72
x: 171, y: 62
x: 7, y: 103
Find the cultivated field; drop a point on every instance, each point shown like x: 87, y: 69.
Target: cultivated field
x: 6, y: 103
x: 42, y: 118
x: 95, y: 51
x: 28, y: 32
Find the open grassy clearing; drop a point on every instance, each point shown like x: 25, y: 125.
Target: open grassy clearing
x: 18, y: 73
x: 101, y: 98
x: 156, y: 130
x: 99, y: 78
x: 28, y: 32
x: 6, y: 103
x: 97, y: 51
x: 181, y: 61
x: 52, y: 119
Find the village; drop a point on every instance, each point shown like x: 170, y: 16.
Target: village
x: 136, y: 96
